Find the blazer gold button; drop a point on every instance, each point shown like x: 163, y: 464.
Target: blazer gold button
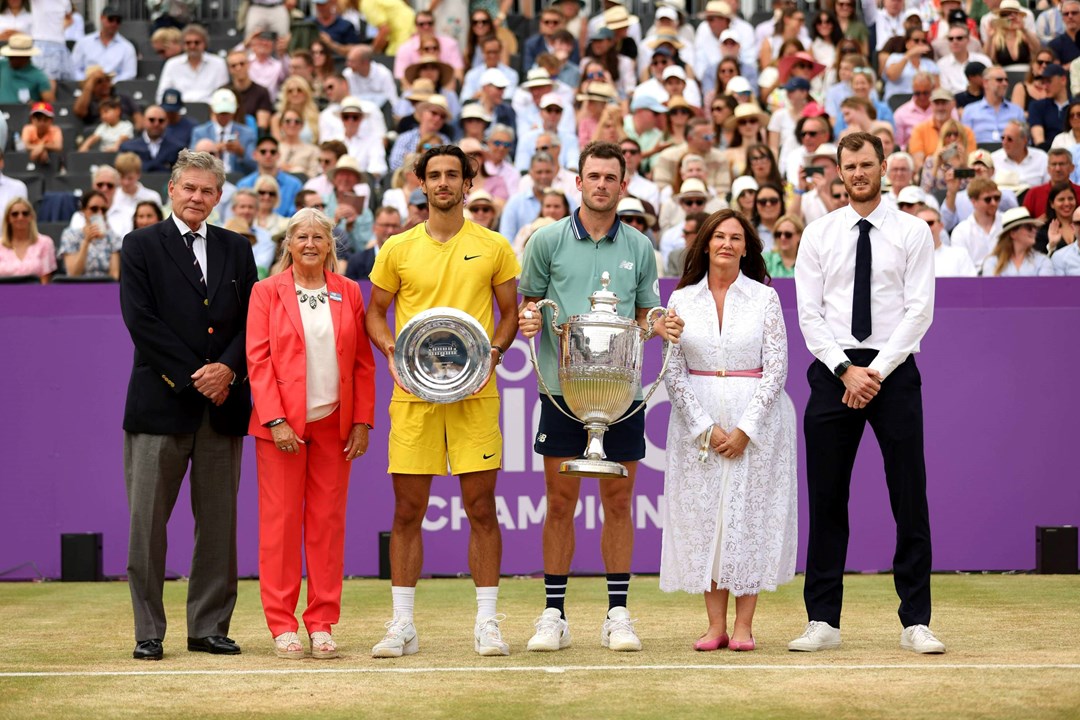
x: 206, y: 301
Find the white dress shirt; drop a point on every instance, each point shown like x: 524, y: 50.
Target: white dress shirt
x: 199, y: 244
x: 902, y: 286
x: 1030, y: 171
x: 194, y: 84
x: 953, y: 262
x: 377, y: 88
x: 970, y: 236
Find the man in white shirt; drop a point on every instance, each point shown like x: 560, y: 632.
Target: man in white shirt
x: 979, y: 232
x: 1029, y: 163
x: 949, y: 261
x: 951, y: 66
x: 719, y: 17
x: 107, y: 48
x: 637, y: 184
x: 865, y: 284
x: 491, y: 51
x: 371, y: 157
x: 369, y: 80
x: 890, y: 21
x: 552, y: 110
x: 196, y: 73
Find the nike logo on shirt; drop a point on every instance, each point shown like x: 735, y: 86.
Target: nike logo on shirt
x: 488, y: 457
x: 471, y: 257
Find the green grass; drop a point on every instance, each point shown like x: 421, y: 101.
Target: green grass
x: 1026, y: 622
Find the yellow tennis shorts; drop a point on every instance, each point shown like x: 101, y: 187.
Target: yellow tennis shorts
x: 426, y: 437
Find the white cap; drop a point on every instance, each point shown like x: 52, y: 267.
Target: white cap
x: 738, y: 84
x: 729, y: 34
x: 550, y: 99
x: 666, y: 12
x: 493, y: 76
x: 674, y: 71
x: 912, y: 194
x: 741, y: 184
x: 223, y: 101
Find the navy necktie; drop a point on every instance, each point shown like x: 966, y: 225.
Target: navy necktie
x: 861, y: 326
x: 189, y: 241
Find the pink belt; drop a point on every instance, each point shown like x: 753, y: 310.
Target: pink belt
x: 729, y: 373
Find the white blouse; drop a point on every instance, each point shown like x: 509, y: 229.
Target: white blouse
x: 323, y: 389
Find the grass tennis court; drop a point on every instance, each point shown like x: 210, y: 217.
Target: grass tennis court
x: 1013, y: 640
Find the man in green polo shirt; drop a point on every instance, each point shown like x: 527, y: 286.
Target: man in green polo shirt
x: 564, y: 261
x: 20, y: 81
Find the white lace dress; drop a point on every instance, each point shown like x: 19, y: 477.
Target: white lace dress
x: 732, y: 521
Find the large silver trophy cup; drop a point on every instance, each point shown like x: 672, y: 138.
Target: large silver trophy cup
x: 600, y: 373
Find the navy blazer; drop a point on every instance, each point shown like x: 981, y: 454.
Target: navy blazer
x: 240, y: 163
x: 166, y: 156
x: 178, y: 325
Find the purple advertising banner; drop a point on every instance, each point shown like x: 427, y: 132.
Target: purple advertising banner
x: 998, y: 395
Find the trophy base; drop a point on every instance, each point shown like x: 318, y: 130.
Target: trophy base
x: 586, y: 467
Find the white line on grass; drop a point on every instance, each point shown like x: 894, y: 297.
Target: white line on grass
x: 553, y: 669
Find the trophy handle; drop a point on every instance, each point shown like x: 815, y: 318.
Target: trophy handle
x: 532, y: 353
x: 651, y: 318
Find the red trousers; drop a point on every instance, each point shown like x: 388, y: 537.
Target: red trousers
x: 302, y: 499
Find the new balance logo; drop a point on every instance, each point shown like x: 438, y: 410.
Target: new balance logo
x: 626, y: 265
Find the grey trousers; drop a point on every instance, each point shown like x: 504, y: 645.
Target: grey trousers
x: 154, y: 468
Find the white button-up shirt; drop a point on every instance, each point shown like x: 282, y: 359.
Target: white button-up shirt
x: 199, y: 244
x: 902, y: 285
x: 1030, y: 171
x: 953, y: 262
x: 194, y: 84
x: 118, y: 56
x: 970, y: 236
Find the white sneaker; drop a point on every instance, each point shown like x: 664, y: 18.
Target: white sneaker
x: 552, y: 632
x: 487, y: 638
x: 817, y: 636
x: 400, y: 639
x: 618, y: 631
x: 918, y: 638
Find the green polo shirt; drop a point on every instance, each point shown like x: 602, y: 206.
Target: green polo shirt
x: 562, y: 263
x: 28, y: 76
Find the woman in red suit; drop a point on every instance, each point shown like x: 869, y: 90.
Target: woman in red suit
x: 312, y: 381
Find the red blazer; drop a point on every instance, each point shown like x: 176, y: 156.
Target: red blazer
x: 277, y: 364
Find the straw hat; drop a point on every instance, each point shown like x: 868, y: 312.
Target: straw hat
x: 633, y: 206
x: 1017, y: 217
x: 746, y: 110
x: 616, y: 17
x: 480, y: 197
x: 20, y: 45
x: 240, y: 226
x: 692, y: 187
x: 420, y: 91
x: 346, y: 162
x: 599, y: 91
x: 437, y: 103
x: 667, y: 39
x: 537, y: 77
x: 446, y: 73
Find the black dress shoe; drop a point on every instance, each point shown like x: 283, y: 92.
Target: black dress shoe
x: 148, y: 650
x: 213, y: 644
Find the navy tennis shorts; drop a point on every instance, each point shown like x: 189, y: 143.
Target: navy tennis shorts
x: 559, y: 436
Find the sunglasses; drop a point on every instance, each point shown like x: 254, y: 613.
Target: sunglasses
x: 292, y: 121
x: 156, y: 121
x: 767, y: 201
x: 19, y: 213
x: 350, y: 117
x: 719, y: 108
x: 633, y: 219
x: 268, y: 151
x: 481, y: 21
x: 557, y: 110
x: 749, y: 121
x: 811, y: 133
x: 631, y: 151
x: 267, y: 193
x: 957, y: 38
x: 595, y: 76
x: 481, y: 208
x: 992, y: 199
x: 97, y: 209
x: 692, y: 202
x: 786, y: 234
x: 839, y: 197
x: 424, y: 23
x: 105, y: 185
x: 501, y: 143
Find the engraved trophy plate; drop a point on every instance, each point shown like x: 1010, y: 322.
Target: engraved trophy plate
x: 600, y: 360
x: 442, y: 355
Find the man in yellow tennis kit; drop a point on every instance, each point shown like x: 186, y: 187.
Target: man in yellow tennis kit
x: 447, y: 261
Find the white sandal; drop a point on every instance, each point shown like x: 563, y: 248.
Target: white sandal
x: 323, y: 646
x: 287, y: 645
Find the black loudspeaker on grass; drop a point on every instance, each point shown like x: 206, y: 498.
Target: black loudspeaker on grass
x: 80, y: 557
x: 1055, y: 550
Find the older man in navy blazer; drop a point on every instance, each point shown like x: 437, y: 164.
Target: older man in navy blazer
x: 184, y: 292
x: 235, y: 142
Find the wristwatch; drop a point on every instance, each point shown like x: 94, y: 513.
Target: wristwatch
x: 501, y: 353
x: 840, y: 369
x: 275, y: 423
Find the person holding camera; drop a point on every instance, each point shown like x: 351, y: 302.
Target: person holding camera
x: 92, y: 250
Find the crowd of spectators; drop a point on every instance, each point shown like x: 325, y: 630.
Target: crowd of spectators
x: 326, y: 103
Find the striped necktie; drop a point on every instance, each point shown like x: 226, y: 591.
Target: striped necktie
x: 189, y: 242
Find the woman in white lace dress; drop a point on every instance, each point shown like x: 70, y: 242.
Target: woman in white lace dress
x: 730, y: 524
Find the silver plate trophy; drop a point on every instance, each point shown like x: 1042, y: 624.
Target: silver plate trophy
x: 442, y: 355
x: 600, y: 373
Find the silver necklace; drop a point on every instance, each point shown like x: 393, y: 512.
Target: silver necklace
x: 315, y: 297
